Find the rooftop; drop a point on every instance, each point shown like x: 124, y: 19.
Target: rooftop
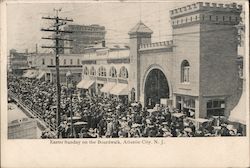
x: 140, y: 28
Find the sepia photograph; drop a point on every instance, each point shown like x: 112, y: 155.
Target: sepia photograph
x: 124, y: 83
x: 132, y: 70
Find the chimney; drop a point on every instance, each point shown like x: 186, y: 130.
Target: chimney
x: 103, y: 43
x: 26, y: 51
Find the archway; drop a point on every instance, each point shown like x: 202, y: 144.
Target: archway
x: 156, y: 88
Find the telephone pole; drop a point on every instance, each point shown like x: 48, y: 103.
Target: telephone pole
x: 57, y: 37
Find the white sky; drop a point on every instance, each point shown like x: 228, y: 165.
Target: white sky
x: 24, y: 20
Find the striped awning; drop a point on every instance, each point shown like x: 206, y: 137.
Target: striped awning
x: 120, y: 89
x: 40, y: 75
x: 107, y: 87
x: 85, y: 84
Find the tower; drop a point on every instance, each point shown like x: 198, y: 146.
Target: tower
x: 205, y: 37
x: 139, y: 34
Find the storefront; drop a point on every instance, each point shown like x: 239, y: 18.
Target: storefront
x: 186, y: 104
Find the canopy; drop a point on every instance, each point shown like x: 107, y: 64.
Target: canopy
x: 40, y: 75
x: 107, y: 87
x: 178, y: 115
x: 85, y: 84
x: 151, y: 110
x: 33, y: 74
x: 134, y: 104
x: 199, y: 120
x: 238, y: 114
x: 74, y: 118
x: 120, y: 89
x: 26, y: 74
x: 80, y: 123
x: 30, y: 74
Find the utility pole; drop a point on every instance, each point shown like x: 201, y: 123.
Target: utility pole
x: 57, y: 23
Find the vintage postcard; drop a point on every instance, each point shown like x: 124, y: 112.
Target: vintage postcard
x: 124, y: 83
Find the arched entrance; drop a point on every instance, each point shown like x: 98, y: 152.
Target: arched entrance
x: 156, y: 88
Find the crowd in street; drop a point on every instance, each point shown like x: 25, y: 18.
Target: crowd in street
x: 98, y: 116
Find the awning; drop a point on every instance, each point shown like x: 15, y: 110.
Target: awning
x: 30, y: 74
x: 120, y: 89
x: 85, y: 84
x: 107, y: 87
x: 199, y: 120
x: 238, y: 114
x: 25, y: 74
x: 40, y: 75
x: 178, y: 115
x: 33, y: 74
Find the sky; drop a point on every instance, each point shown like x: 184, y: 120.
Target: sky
x: 24, y: 20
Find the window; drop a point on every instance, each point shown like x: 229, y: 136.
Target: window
x: 223, y: 18
x: 92, y: 71
x: 43, y: 61
x: 71, y: 61
x: 188, y: 103
x: 112, y: 72
x: 78, y: 61
x: 86, y: 71
x: 185, y: 68
x: 64, y: 62
x: 210, y: 17
x: 101, y: 71
x: 217, y: 18
x: 215, y: 107
x: 123, y: 73
x: 230, y: 18
x: 51, y: 61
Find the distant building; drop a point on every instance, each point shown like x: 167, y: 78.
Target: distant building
x: 17, y: 62
x: 83, y: 36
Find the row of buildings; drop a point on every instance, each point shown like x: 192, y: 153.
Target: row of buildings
x: 197, y: 71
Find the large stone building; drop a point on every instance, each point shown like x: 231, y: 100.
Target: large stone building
x: 83, y: 36
x: 197, y: 70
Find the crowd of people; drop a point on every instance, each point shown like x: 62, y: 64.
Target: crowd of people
x: 96, y: 116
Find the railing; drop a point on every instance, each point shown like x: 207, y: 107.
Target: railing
x: 206, y: 5
x: 157, y: 44
x: 32, y: 111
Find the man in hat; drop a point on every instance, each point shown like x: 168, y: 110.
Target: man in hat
x: 109, y: 128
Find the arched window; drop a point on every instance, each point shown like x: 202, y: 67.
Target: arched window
x: 123, y: 73
x: 92, y: 71
x: 101, y: 71
x: 86, y: 71
x: 185, y: 68
x: 112, y: 72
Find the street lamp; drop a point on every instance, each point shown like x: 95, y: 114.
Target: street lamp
x: 70, y: 90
